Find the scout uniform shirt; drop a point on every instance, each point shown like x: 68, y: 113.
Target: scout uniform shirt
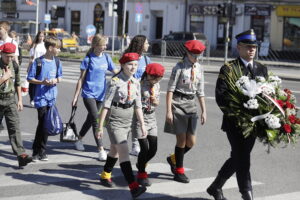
x: 9, y: 85
x: 187, y: 78
x: 148, y: 91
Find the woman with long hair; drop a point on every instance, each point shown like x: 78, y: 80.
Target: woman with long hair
x: 92, y: 83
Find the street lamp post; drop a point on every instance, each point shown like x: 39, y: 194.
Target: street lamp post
x: 37, y: 17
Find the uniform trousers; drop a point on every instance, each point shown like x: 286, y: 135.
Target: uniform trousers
x: 41, y: 137
x: 8, y: 109
x: 239, y: 161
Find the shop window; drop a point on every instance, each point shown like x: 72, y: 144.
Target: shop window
x: 291, y: 35
x: 197, y: 24
x: 75, y: 22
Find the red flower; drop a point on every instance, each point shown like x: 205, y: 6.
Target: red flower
x: 298, y: 120
x: 287, y: 128
x: 287, y: 91
x: 289, y: 105
x: 292, y: 119
x: 281, y: 103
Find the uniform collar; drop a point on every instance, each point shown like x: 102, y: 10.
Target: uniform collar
x: 125, y: 77
x: 187, y: 62
x: 246, y: 63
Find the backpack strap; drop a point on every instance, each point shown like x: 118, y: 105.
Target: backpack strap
x: 16, y: 67
x: 57, y: 61
x: 38, y: 66
x: 146, y: 61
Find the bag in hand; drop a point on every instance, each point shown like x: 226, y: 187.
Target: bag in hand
x: 52, y: 122
x: 69, y: 133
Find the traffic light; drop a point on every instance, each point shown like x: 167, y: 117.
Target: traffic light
x: 221, y: 9
x: 118, y: 6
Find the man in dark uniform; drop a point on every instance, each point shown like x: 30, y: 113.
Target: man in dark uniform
x: 9, y: 83
x: 239, y: 161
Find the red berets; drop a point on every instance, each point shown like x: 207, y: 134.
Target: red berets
x: 8, y: 48
x: 127, y: 57
x: 155, y: 69
x: 194, y: 46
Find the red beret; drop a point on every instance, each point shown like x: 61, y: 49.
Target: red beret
x: 194, y: 46
x: 155, y: 69
x: 8, y: 48
x: 127, y: 57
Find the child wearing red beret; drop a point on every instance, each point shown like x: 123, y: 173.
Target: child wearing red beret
x: 150, y: 91
x: 186, y: 82
x: 122, y: 99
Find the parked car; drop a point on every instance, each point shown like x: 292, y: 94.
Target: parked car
x: 68, y: 43
x: 174, y: 43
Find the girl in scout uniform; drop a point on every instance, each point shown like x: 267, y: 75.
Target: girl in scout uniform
x: 122, y: 99
x: 92, y: 81
x: 186, y: 81
x: 150, y: 90
x: 139, y: 44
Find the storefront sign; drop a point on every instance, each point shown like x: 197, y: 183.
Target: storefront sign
x: 288, y: 11
x: 255, y: 9
x: 196, y: 9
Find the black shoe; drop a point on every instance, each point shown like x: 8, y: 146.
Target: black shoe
x: 181, y: 178
x: 138, y: 191
x: 247, y: 195
x: 172, y: 166
x: 43, y: 157
x: 35, y: 158
x: 24, y: 159
x: 144, y: 182
x: 107, y: 182
x: 216, y: 193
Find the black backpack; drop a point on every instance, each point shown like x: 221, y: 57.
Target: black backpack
x: 38, y: 72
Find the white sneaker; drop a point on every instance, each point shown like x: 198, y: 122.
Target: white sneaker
x: 32, y: 103
x: 79, y: 145
x: 102, y: 155
x: 135, y: 150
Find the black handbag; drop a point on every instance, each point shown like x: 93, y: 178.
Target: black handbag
x: 69, y: 133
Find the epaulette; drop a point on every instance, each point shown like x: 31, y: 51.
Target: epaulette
x: 115, y: 80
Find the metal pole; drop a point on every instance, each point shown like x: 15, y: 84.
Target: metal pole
x: 124, y: 23
x: 226, y: 41
x: 37, y: 17
x: 113, y: 35
x: 46, y: 11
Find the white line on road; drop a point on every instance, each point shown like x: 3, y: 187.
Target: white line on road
x: 287, y: 196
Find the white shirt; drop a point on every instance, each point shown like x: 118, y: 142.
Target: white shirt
x: 38, y: 51
x: 10, y: 40
x: 247, y: 63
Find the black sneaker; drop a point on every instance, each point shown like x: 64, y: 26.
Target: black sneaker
x: 24, y: 159
x: 181, y: 178
x: 43, y: 157
x: 172, y: 166
x: 138, y: 191
x: 217, y: 193
x: 107, y: 182
x: 144, y: 182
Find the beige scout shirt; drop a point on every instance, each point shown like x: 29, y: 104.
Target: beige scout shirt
x: 117, y: 91
x: 180, y: 79
x: 9, y: 85
x: 146, y: 94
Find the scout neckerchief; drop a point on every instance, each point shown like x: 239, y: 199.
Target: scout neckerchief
x: 128, y: 90
x: 192, y: 75
x: 152, y: 95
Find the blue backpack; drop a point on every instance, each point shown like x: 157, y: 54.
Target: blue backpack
x: 52, y: 122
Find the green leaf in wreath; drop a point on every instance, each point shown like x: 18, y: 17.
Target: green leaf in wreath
x: 272, y: 134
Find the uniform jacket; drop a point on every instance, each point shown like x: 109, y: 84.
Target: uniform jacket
x: 14, y: 81
x: 228, y: 123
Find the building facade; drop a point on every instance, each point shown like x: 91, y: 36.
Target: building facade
x: 276, y: 23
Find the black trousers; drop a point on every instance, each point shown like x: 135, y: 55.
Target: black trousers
x: 92, y: 106
x: 41, y: 138
x: 239, y: 161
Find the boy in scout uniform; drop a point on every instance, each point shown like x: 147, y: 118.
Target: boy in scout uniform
x: 239, y: 161
x: 186, y: 82
x: 122, y: 99
x: 10, y: 83
x: 150, y: 91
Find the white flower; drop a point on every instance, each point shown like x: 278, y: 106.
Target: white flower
x: 268, y: 89
x: 290, y: 111
x: 251, y: 89
x: 251, y: 104
x: 282, y: 93
x: 275, y: 81
x: 272, y: 121
x: 242, y: 81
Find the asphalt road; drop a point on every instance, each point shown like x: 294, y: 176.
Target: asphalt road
x: 70, y: 174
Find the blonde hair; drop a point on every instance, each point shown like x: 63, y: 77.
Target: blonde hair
x: 52, y: 41
x: 98, y: 40
x: 5, y: 25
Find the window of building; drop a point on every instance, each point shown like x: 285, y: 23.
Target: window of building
x: 197, y: 23
x: 291, y: 35
x: 75, y: 22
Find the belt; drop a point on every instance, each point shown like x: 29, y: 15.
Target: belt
x: 148, y: 112
x: 183, y: 96
x: 122, y: 105
x: 6, y: 95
